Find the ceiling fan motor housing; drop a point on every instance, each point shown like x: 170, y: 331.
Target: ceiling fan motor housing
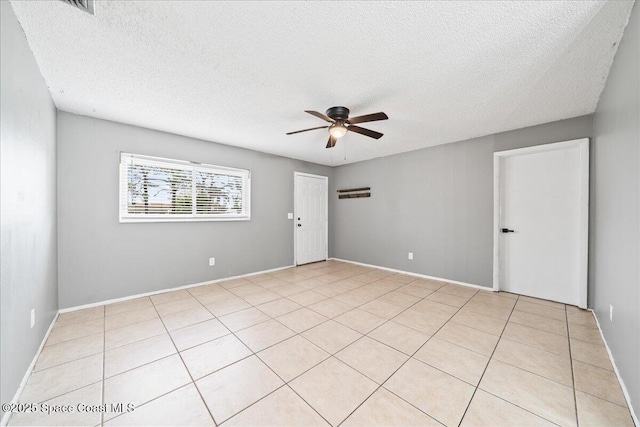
x: 338, y: 113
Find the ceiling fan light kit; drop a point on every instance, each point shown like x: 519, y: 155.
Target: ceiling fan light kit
x: 341, y: 124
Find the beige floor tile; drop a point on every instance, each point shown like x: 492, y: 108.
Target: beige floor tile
x: 132, y: 333
x: 292, y: 357
x: 264, y: 335
x: 136, y: 354
x: 124, y: 306
x: 278, y: 307
x: 372, y: 358
x: 594, y: 412
x: 261, y: 297
x: 281, y: 408
x: 206, y: 289
x: 58, y: 380
x: 302, y: 319
x: 448, y: 299
x: 488, y: 410
x: 545, y: 398
x: 490, y: 310
x: 585, y: 333
x: 582, y: 317
x: 235, y: 387
x: 68, y: 351
x: 354, y: 298
x: 90, y: 395
x: 539, y: 322
x: 288, y: 289
x: 333, y: 389
x: 186, y: 318
x: 184, y: 304
x: 214, y: 355
x: 541, y: 362
x: 360, y: 320
x: 114, y: 321
x: 234, y: 283
x: 400, y: 299
x: 544, y: 302
x: 435, y: 309
x: 245, y: 290
x: 477, y: 321
x: 385, y: 409
x: 183, y: 407
x: 70, y: 331
x: 170, y: 296
x: 227, y: 306
x: 537, y: 338
x: 82, y: 316
x: 460, y: 362
x: 590, y: 353
x: 496, y: 299
x: 541, y: 310
x: 598, y: 382
x: 306, y: 298
x: 330, y: 307
x: 216, y: 296
x: 419, y: 290
x: 469, y: 338
x: 458, y: 290
x: 243, y: 319
x: 420, y: 321
x: 381, y: 308
x: 331, y: 336
x: 199, y: 333
x: 145, y: 383
x: 400, y: 337
x: 440, y: 395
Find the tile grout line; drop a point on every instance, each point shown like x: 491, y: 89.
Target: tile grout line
x: 182, y: 360
x: 405, y: 362
x: 488, y: 362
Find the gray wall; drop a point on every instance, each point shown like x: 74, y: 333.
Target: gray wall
x: 436, y: 202
x: 615, y: 209
x: 100, y: 259
x: 28, y: 263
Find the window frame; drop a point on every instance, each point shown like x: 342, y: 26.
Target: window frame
x: 125, y: 217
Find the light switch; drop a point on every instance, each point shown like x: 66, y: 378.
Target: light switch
x: 289, y: 216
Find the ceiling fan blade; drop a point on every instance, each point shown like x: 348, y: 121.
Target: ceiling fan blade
x: 365, y: 132
x: 368, y: 118
x: 305, y: 130
x: 320, y: 116
x: 332, y: 142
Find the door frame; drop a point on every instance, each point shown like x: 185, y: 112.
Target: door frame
x: 583, y: 146
x: 295, y: 214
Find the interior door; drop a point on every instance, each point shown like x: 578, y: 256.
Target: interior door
x: 542, y: 224
x: 310, y: 218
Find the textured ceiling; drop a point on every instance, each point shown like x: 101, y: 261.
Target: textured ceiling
x: 241, y: 73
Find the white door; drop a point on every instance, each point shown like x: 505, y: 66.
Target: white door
x: 310, y: 218
x: 542, y: 221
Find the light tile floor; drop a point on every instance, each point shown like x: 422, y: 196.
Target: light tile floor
x: 328, y: 343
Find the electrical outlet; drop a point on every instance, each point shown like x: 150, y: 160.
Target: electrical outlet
x: 610, y: 313
x: 212, y: 261
x: 410, y: 255
x: 33, y: 317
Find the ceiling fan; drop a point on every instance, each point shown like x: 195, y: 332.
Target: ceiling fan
x: 341, y: 124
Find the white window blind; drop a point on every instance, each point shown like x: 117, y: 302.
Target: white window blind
x: 158, y: 189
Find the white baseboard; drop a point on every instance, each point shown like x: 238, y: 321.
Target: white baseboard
x: 162, y: 291
x: 423, y: 276
x: 615, y: 368
x: 7, y: 415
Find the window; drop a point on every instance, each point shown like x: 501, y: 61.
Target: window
x: 157, y: 189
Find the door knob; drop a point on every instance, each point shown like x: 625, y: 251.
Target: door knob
x: 299, y: 225
x: 506, y: 230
